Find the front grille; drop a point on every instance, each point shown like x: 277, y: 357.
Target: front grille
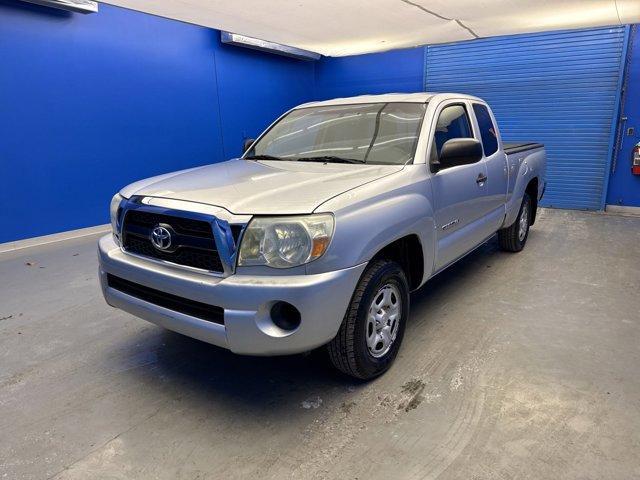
x: 191, y: 257
x: 193, y: 242
x: 182, y: 225
x: 192, y: 308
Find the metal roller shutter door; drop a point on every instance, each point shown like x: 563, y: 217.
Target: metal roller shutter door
x: 560, y: 89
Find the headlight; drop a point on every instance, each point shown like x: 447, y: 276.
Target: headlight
x: 113, y: 212
x: 283, y: 242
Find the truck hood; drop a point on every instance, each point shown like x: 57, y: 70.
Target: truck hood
x: 261, y: 187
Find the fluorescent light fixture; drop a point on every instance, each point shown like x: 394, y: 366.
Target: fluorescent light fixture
x: 78, y: 6
x: 264, y: 46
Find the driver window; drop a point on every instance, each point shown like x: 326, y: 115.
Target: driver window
x: 453, y: 122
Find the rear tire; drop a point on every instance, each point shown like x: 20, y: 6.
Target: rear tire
x: 373, y: 327
x: 513, y: 238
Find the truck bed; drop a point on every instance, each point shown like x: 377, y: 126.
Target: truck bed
x: 518, y: 147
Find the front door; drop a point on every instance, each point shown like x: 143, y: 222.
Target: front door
x: 459, y: 193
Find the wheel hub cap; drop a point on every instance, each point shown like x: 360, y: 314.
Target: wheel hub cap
x: 383, y: 319
x: 524, y: 222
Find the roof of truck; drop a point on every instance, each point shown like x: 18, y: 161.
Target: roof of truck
x: 420, y: 97
x: 387, y: 97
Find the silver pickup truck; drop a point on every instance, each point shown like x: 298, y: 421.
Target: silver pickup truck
x: 318, y: 233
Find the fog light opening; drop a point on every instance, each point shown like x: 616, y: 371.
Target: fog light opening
x: 285, y: 316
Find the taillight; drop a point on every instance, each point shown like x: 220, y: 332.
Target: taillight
x: 635, y: 160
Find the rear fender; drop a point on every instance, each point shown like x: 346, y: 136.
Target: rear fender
x: 529, y: 167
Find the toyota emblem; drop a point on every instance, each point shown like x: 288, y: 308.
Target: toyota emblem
x: 161, y: 237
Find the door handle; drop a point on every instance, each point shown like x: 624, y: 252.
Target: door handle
x: 481, y: 178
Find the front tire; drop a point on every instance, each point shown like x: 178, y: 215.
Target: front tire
x: 373, y: 327
x: 513, y: 238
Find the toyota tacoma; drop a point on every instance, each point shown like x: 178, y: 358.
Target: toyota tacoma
x: 319, y: 232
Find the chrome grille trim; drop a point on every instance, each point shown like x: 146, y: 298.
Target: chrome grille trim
x: 227, y: 228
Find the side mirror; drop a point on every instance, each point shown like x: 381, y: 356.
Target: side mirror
x: 248, y: 142
x: 458, y: 151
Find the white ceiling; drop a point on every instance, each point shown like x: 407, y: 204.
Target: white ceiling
x: 345, y: 27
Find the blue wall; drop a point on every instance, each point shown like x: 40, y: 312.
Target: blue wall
x: 89, y: 103
x: 624, y: 188
x: 394, y: 71
x: 256, y: 88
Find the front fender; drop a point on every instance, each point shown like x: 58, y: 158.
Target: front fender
x: 366, y: 224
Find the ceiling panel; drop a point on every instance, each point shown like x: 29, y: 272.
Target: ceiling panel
x: 346, y: 27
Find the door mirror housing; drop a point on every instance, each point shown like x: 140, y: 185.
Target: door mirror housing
x: 458, y: 151
x: 248, y: 143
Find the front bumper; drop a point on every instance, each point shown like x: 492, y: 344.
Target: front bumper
x: 322, y: 300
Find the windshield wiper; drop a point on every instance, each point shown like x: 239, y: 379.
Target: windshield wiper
x: 330, y: 159
x: 262, y: 157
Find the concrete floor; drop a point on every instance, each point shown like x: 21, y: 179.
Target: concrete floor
x: 519, y: 366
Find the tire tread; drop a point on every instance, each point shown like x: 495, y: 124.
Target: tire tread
x: 342, y: 348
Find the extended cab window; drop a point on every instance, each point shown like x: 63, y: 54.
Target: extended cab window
x: 453, y: 122
x: 379, y: 133
x: 487, y: 129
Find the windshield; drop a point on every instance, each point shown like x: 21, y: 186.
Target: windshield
x: 374, y: 133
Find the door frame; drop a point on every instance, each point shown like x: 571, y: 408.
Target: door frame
x: 618, y: 112
x: 467, y: 104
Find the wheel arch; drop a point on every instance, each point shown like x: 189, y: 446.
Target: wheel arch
x: 525, y: 183
x: 532, y: 190
x: 407, y: 251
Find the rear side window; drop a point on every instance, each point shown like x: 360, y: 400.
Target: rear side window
x: 453, y: 122
x: 487, y: 129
